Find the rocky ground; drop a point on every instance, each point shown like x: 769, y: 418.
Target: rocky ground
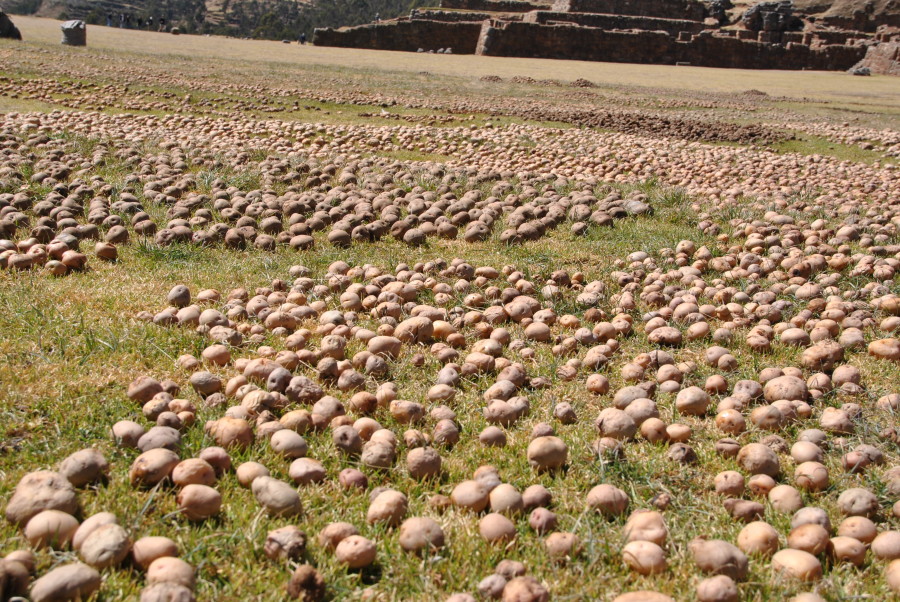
x: 280, y: 332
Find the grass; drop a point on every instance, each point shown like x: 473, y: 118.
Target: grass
x: 77, y: 347
x: 70, y: 346
x: 806, y: 144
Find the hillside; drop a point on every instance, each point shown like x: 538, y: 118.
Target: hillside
x: 857, y: 14
x: 266, y: 19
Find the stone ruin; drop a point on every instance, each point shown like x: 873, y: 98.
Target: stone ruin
x: 74, y: 33
x: 7, y: 29
x: 666, y: 32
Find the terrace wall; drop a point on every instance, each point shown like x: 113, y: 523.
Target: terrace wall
x: 404, y: 35
x: 662, y: 9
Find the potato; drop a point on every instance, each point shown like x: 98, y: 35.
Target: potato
x: 646, y: 525
x: 847, y: 549
x: 127, y: 433
x: 14, y: 578
x: 419, y: 534
x: 147, y: 549
x: 858, y: 527
x: 547, y: 453
x: 718, y: 589
x: 290, y: 444
x: 248, y: 471
x: 66, y: 582
x: 167, y: 569
x: 757, y: 458
x: 330, y: 536
x: 388, y: 507
x: 91, y: 523
x: 729, y: 482
x: 525, y: 589
x: 355, y: 551
x: 506, y: 500
x: 106, y: 546
x: 758, y: 538
x: 892, y: 575
x: 160, y: 437
x: 644, y: 557
x: 84, y: 467
x: 858, y: 502
x: 811, y: 476
x: 231, y: 432
x: 797, y: 564
x: 286, y: 543
x: 491, y: 587
x: 152, y: 466
x: 607, y: 499
x: 277, y: 497
x: 471, y: 495
x: 193, y: 471
x: 615, y: 423
x: 52, y: 528
x: 306, y: 584
x: 811, y: 538
x: 199, y: 502
x: 167, y: 592
x: 886, y: 546
x: 562, y: 546
x: 496, y: 528
x: 785, y: 498
x: 719, y: 557
x: 39, y: 491
x: 692, y: 401
x: 304, y: 471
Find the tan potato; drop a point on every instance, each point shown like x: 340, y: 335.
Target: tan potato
x: 355, y: 551
x: 106, y: 546
x: 66, y: 582
x: 644, y: 557
x: 797, y: 564
x: 51, y: 528
x: 147, y: 549
x: 758, y: 538
x: 719, y: 557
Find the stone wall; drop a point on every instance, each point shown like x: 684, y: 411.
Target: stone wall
x: 496, y: 6
x: 883, y: 58
x: 734, y: 53
x: 404, y: 35
x: 662, y: 9
x: 670, y: 26
x: 575, y: 43
x: 705, y: 50
x: 455, y: 16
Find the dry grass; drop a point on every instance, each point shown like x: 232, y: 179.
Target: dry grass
x: 881, y: 91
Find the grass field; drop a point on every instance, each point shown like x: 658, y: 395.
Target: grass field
x: 70, y: 346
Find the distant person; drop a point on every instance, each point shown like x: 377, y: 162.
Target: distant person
x: 150, y: 24
x: 121, y: 20
x: 303, y: 38
x: 127, y: 21
x: 140, y: 23
x: 377, y: 18
x: 162, y: 23
x: 109, y: 18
